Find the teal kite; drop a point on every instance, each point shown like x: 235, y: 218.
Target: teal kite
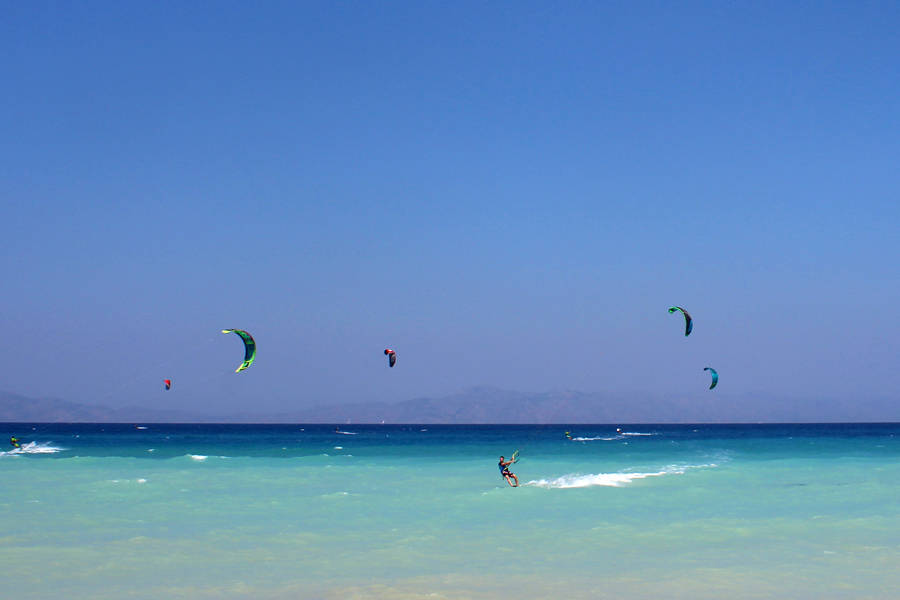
x: 715, y: 376
x: 688, y: 322
x: 249, y: 348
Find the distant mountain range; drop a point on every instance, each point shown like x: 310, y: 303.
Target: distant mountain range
x: 21, y: 409
x: 481, y: 405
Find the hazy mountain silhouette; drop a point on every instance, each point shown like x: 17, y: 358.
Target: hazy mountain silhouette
x: 490, y: 405
x: 21, y: 409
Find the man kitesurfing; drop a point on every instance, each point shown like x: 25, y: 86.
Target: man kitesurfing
x: 506, y: 473
x: 14, y: 442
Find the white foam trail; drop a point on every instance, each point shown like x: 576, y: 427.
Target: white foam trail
x: 140, y: 427
x: 592, y: 439
x: 198, y: 457
x: 346, y: 432
x: 34, y: 448
x: 577, y: 480
x: 636, y: 433
x: 338, y: 447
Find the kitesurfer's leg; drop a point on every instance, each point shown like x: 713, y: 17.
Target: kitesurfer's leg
x: 516, y: 478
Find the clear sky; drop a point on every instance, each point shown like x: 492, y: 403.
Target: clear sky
x: 507, y: 193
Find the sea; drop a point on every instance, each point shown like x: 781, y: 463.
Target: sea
x: 732, y: 512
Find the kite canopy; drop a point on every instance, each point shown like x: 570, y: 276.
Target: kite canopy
x: 392, y: 357
x: 688, y: 322
x: 715, y: 376
x: 168, y: 383
x: 249, y: 348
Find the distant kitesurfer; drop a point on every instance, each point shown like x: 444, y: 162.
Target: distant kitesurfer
x: 506, y: 473
x: 14, y: 442
x: 569, y: 437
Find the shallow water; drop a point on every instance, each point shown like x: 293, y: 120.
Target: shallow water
x: 299, y: 511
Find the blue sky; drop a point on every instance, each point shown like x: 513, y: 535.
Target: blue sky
x: 508, y: 194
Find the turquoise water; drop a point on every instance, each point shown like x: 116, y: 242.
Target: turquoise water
x: 403, y: 512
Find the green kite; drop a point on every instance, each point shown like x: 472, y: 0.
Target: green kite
x: 249, y: 348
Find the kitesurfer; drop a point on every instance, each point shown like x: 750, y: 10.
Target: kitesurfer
x: 506, y: 473
x: 14, y: 442
x: 569, y: 437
